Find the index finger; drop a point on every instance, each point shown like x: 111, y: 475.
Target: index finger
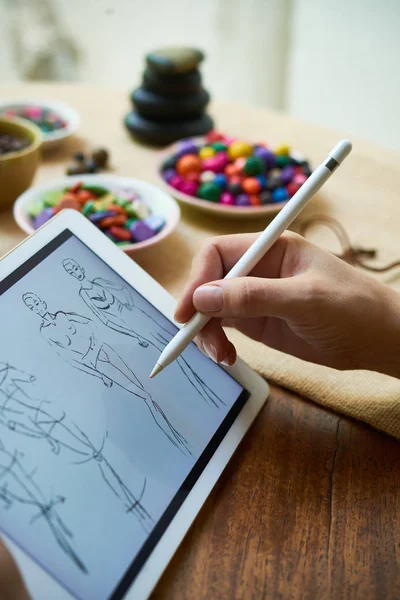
x: 217, y: 256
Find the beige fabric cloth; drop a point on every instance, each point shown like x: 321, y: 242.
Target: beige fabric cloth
x: 363, y: 395
x: 364, y: 195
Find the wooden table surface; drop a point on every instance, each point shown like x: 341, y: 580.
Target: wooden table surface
x: 309, y: 506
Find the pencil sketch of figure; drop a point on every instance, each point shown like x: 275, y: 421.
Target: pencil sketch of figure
x: 23, y: 414
x: 112, y: 302
x: 100, y: 297
x: 18, y: 488
x: 74, y: 339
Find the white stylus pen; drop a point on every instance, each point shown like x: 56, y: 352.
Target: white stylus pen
x: 257, y: 250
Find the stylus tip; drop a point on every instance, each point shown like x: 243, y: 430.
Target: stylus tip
x: 157, y: 369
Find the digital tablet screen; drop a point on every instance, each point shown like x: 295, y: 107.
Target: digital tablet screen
x: 96, y: 458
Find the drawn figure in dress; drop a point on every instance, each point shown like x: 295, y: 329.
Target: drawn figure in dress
x: 74, y: 338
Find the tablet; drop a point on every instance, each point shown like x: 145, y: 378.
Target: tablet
x: 103, y: 470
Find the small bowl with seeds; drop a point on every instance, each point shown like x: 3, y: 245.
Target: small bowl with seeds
x: 20, y: 143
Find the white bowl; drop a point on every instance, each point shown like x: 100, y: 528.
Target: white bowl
x: 66, y: 112
x: 213, y: 208
x: 158, y: 201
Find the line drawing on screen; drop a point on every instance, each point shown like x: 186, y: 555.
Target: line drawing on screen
x: 108, y: 300
x: 74, y: 339
x: 23, y: 414
x: 18, y: 486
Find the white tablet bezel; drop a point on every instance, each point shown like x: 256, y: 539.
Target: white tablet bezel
x: 39, y: 581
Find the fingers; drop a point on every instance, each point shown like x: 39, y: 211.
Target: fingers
x: 250, y: 297
x: 213, y: 342
x: 218, y: 255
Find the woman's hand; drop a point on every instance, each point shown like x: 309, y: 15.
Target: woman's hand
x: 299, y: 299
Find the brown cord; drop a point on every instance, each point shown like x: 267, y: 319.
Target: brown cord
x: 350, y: 254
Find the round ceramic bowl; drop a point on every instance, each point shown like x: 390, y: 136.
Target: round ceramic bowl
x: 66, y: 112
x: 17, y: 169
x: 214, y: 208
x: 156, y: 199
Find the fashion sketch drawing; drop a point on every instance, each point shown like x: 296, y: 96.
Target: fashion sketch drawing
x: 74, y: 338
x: 23, y: 414
x: 113, y: 304
x: 18, y: 488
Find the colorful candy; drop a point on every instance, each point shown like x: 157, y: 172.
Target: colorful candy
x: 121, y: 215
x: 209, y: 191
x: 251, y: 185
x: 235, y: 173
x: 206, y: 152
x: 227, y: 198
x: 45, y: 118
x: 254, y: 166
x: 242, y: 200
x: 220, y: 180
x: 238, y: 149
x: 188, y: 163
x: 140, y: 231
x: 188, y: 187
x: 207, y: 176
x: 266, y: 197
x: 280, y: 194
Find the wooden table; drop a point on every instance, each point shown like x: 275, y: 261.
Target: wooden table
x: 309, y: 507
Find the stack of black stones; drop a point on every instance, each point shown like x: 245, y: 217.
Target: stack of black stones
x: 171, y: 101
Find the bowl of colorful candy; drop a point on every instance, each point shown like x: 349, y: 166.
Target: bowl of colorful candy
x: 56, y: 120
x: 133, y: 214
x: 232, y: 177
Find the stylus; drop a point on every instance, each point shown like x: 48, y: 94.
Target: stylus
x: 257, y: 250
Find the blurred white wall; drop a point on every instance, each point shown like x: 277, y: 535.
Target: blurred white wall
x: 332, y: 63
x: 245, y: 40
x: 344, y: 66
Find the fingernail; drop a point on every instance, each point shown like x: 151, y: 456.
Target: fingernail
x: 228, y: 361
x: 211, y: 351
x: 208, y: 298
x: 200, y: 345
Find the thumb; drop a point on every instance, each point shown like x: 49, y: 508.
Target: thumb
x: 249, y: 297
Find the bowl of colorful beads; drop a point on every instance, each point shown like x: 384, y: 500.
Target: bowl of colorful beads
x: 231, y: 177
x: 56, y: 120
x: 133, y: 214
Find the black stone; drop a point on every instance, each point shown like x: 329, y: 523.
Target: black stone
x: 164, y: 133
x: 171, y: 85
x: 155, y: 106
x: 174, y: 60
